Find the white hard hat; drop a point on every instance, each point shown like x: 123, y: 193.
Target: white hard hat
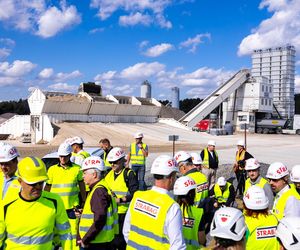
x: 7, y: 152
x: 77, y: 140
x: 241, y: 143
x: 196, y: 158
x: 164, y: 165
x: 252, y: 164
x: 288, y: 231
x: 93, y: 162
x: 295, y: 174
x: 183, y: 185
x: 138, y: 135
x: 64, y: 149
x: 221, y: 181
x: 115, y: 154
x: 182, y: 156
x: 277, y: 170
x: 255, y: 198
x: 228, y: 223
x: 211, y: 143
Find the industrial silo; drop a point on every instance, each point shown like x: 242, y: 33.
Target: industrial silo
x: 146, y: 89
x: 175, y: 97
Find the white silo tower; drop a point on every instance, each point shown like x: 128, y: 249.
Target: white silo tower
x: 175, y: 97
x: 146, y: 89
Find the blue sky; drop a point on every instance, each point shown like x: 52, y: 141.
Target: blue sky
x: 195, y: 45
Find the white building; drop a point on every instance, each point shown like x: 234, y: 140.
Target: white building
x: 146, y: 89
x: 278, y: 65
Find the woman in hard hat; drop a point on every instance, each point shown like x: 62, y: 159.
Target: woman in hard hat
x: 261, y: 226
x: 193, y: 224
x: 288, y: 233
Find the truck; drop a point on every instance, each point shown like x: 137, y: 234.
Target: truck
x: 292, y: 126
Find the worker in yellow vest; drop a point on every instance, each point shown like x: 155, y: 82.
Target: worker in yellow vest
x: 287, y: 201
x: 210, y: 162
x: 99, y: 219
x: 228, y: 229
x: 239, y: 166
x: 254, y: 178
x: 123, y: 184
x: 9, y: 185
x: 197, y: 161
x: 154, y: 219
x: 66, y: 180
x: 261, y: 225
x: 223, y: 193
x: 193, y: 223
x: 187, y: 168
x: 78, y: 154
x: 288, y: 233
x: 295, y: 178
x: 30, y: 221
x: 138, y: 152
x: 106, y: 147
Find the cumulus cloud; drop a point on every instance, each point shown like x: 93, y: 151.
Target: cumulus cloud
x: 4, y: 52
x: 40, y: 17
x: 139, y: 12
x: 46, y: 73
x: 159, y: 49
x: 281, y: 28
x: 143, y: 44
x: 96, y: 30
x: 6, y: 45
x: 7, y: 81
x: 142, y: 70
x: 124, y: 90
x: 16, y: 69
x: 192, y: 43
x: 63, y: 87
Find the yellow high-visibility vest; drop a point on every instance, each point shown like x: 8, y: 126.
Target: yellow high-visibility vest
x: 137, y: 157
x: 148, y: 210
x: 205, y: 160
x: 261, y: 183
x: 222, y: 197
x: 202, y: 187
x: 12, y: 191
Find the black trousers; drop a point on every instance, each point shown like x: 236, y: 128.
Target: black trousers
x: 119, y: 242
x: 241, y: 176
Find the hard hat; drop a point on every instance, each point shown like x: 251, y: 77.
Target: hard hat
x: 255, y: 198
x: 64, y: 149
x: 252, y: 164
x: 241, y: 143
x: 196, y: 158
x: 295, y: 174
x: 182, y: 156
x: 93, y: 162
x: 7, y: 152
x: 211, y: 143
x: 288, y: 231
x: 32, y: 170
x: 76, y: 140
x: 115, y: 154
x: 138, y: 135
x: 164, y: 165
x: 183, y: 185
x: 228, y: 223
x: 221, y: 181
x: 277, y: 170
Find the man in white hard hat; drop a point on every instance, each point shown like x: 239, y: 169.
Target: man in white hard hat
x: 210, y: 162
x: 287, y: 201
x: 197, y: 161
x: 288, y: 233
x: 78, y: 154
x: 239, y: 166
x: 154, y: 219
x: 138, y: 152
x: 97, y: 223
x: 295, y: 178
x: 254, y: 178
x: 223, y: 192
x: 9, y: 185
x: 66, y: 180
x: 123, y: 184
x: 106, y: 147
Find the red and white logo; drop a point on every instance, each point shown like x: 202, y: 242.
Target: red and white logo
x: 188, y: 222
x: 146, y: 208
x: 265, y: 232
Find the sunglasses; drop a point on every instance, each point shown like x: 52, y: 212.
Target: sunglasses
x: 114, y: 162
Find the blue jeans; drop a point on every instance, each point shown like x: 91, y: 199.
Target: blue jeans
x: 140, y: 173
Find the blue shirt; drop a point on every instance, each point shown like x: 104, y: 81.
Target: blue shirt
x: 6, y: 185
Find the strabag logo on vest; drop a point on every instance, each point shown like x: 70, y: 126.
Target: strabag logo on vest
x: 265, y: 232
x: 188, y: 222
x: 146, y: 208
x: 202, y: 187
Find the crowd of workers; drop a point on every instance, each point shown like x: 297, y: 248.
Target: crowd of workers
x: 90, y: 202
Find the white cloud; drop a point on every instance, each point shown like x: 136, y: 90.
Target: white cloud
x: 4, y: 52
x: 135, y: 19
x: 63, y: 87
x: 297, y: 84
x: 193, y: 43
x: 6, y: 45
x: 96, y: 30
x: 142, y: 70
x: 46, y: 73
x: 194, y: 82
x: 7, y: 42
x: 124, y: 90
x: 143, y: 44
x: 281, y: 28
x: 110, y: 75
x: 16, y: 69
x: 8, y: 80
x: 159, y: 49
x: 61, y: 77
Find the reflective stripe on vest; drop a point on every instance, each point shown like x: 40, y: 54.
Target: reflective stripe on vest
x: 205, y: 160
x: 119, y: 187
x: 87, y: 219
x: 222, y: 196
x: 190, y: 225
x: 148, y: 210
x: 261, y: 183
x: 30, y: 240
x: 261, y: 232
x: 202, y: 187
x: 137, y: 158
